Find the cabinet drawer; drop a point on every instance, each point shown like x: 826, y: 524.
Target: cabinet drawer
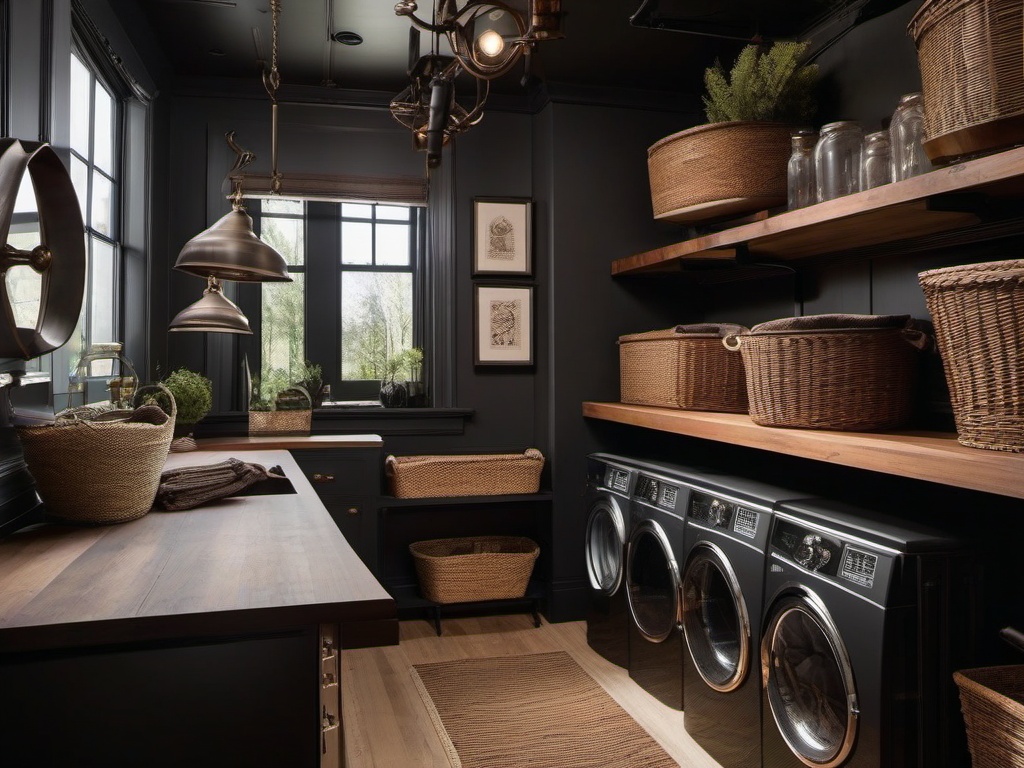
x: 341, y: 471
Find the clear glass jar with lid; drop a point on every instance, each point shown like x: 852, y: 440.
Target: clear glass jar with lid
x: 802, y: 190
x: 906, y: 137
x: 837, y: 159
x: 875, y: 168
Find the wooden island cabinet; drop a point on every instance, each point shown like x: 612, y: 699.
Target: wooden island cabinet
x: 204, y: 637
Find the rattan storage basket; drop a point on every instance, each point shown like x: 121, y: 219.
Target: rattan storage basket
x: 683, y: 367
x: 294, y: 421
x: 972, y: 78
x: 474, y: 568
x: 992, y: 702
x: 485, y: 474
x: 719, y: 169
x: 978, y: 312
x: 841, y: 372
x: 98, y: 472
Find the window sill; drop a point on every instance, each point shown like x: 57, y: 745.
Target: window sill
x: 354, y: 420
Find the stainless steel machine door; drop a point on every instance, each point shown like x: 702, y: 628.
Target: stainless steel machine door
x: 653, y: 583
x: 809, y: 681
x: 606, y: 538
x: 715, y: 619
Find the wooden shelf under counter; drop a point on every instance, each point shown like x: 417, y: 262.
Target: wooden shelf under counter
x: 933, y: 456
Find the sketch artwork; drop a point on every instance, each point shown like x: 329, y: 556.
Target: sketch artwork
x: 506, y: 324
x: 501, y: 239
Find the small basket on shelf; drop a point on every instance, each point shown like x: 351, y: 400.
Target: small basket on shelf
x: 485, y: 474
x: 293, y: 414
x: 473, y: 569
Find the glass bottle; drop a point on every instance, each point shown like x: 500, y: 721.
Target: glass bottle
x: 876, y: 168
x: 906, y: 137
x: 802, y: 191
x: 837, y: 160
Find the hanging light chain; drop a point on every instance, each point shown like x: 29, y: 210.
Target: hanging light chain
x: 271, y: 81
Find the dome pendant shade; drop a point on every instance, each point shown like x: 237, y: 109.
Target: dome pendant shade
x: 229, y: 250
x: 213, y: 313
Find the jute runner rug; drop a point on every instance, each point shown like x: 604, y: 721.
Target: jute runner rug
x: 535, y: 711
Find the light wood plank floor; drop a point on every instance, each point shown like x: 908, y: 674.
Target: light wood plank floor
x: 387, y: 726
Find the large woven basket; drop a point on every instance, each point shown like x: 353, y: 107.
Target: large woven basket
x: 841, y: 372
x: 98, y: 472
x: 718, y: 170
x: 978, y: 312
x: 992, y: 701
x: 970, y: 54
x: 474, y: 568
x: 683, y: 367
x: 485, y: 474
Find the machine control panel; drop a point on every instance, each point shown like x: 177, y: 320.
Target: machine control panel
x: 656, y: 492
x: 859, y: 567
x: 808, y: 548
x: 617, y: 479
x: 715, y: 512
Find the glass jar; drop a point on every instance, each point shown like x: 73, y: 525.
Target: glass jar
x: 802, y: 191
x: 875, y: 168
x: 906, y: 137
x: 837, y: 160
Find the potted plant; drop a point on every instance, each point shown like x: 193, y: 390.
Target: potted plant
x: 278, y: 406
x: 310, y: 377
x: 736, y: 163
x: 393, y: 394
x: 193, y: 396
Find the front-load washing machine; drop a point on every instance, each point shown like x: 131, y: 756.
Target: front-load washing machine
x: 727, y: 525
x: 866, y: 618
x: 610, y: 481
x: 654, y: 584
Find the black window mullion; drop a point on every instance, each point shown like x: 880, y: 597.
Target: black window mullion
x: 323, y: 290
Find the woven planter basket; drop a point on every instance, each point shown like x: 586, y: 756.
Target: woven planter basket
x: 98, y: 472
x: 486, y: 474
x: 991, y: 700
x: 474, y: 568
x: 978, y: 312
x: 683, y: 367
x: 841, y: 372
x: 970, y: 54
x: 288, y: 422
x: 719, y: 169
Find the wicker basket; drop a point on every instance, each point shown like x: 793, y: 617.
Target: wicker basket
x: 98, y: 472
x: 719, y: 169
x: 978, y: 311
x: 683, y: 367
x: 970, y: 54
x: 474, y: 568
x: 992, y: 700
x: 842, y: 372
x: 485, y: 474
x: 296, y: 421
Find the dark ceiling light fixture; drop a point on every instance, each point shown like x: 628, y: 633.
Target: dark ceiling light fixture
x: 487, y: 39
x: 229, y: 249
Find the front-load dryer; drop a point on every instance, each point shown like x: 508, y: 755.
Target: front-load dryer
x: 866, y: 618
x: 727, y: 525
x: 610, y: 481
x: 654, y: 584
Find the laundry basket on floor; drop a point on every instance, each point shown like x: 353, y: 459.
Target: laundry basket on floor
x: 474, y: 568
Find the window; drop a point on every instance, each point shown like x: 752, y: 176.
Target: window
x: 351, y: 307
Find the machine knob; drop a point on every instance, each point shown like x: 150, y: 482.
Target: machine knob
x: 719, y: 512
x: 811, y: 553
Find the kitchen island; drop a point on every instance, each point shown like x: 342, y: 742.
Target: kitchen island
x: 203, y: 637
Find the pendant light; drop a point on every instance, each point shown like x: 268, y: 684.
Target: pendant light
x: 213, y: 313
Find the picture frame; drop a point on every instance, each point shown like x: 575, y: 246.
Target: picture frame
x: 503, y: 236
x: 503, y: 324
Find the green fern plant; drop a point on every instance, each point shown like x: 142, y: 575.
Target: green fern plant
x: 763, y: 85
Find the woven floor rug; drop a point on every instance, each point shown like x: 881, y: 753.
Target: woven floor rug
x: 535, y: 711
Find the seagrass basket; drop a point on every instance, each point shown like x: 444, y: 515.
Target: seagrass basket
x: 683, y: 367
x: 972, y: 78
x: 978, y: 313
x: 485, y: 474
x: 841, y: 372
x: 474, y: 568
x: 98, y: 472
x: 719, y: 169
x: 292, y: 421
x: 992, y: 702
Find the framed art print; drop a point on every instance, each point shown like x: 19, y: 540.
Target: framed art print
x: 504, y: 325
x: 502, y: 236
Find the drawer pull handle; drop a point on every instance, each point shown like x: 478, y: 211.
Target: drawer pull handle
x: 330, y: 721
x: 322, y: 477
x: 328, y: 646
x: 328, y: 680
x: 353, y: 510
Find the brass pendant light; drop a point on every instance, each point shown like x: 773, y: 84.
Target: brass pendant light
x: 213, y: 313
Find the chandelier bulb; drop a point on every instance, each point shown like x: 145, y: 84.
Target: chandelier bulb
x: 490, y: 43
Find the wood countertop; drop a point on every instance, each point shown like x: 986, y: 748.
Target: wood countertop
x: 288, y: 443
x: 245, y: 564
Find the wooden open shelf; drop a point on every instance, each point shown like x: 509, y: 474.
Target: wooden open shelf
x: 943, y: 200
x: 933, y: 456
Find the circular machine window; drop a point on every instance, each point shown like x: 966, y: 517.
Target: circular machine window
x: 715, y: 620
x: 810, y: 685
x: 653, y: 581
x: 604, y: 548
